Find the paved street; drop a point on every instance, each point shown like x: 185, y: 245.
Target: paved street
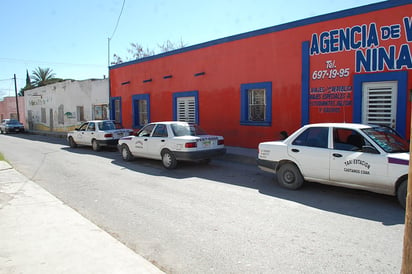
x: 224, y: 217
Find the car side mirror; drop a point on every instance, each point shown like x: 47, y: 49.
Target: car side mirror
x: 370, y: 149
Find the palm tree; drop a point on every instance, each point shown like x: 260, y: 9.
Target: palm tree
x: 42, y: 77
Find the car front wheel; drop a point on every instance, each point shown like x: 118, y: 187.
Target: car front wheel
x: 72, y: 143
x: 126, y: 154
x: 401, y: 193
x: 169, y: 160
x: 289, y: 176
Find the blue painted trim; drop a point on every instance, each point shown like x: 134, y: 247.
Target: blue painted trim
x: 305, y: 116
x: 186, y: 94
x: 282, y: 27
x: 135, y: 108
x: 244, y: 104
x: 401, y: 77
x: 112, y: 110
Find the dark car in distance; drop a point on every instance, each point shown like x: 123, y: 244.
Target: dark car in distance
x: 11, y: 125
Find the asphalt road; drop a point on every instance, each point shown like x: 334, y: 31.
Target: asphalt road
x: 218, y: 218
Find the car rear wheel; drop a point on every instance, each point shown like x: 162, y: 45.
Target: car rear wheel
x: 126, y: 154
x: 169, y: 160
x: 289, y: 176
x: 401, y: 193
x: 72, y: 143
x: 95, y: 145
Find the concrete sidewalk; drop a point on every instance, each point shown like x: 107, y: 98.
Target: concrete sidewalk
x: 41, y: 235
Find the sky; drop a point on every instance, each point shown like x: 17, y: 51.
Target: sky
x: 72, y: 37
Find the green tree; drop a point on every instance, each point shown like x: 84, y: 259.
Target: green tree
x: 28, y: 84
x: 43, y: 76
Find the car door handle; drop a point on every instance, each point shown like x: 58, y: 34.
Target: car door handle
x: 295, y: 150
x: 163, y: 141
x: 145, y: 139
x: 337, y: 155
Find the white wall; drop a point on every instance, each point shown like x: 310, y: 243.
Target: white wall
x: 59, y: 103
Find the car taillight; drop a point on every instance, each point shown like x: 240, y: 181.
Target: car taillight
x: 108, y: 135
x: 191, y: 145
x: 221, y: 142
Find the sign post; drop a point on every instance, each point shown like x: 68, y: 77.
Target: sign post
x: 407, y: 238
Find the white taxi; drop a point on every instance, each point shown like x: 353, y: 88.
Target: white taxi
x: 97, y: 134
x: 172, y: 142
x: 358, y: 156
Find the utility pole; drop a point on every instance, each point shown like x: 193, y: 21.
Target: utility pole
x: 17, y: 99
x: 108, y: 52
x: 407, y: 238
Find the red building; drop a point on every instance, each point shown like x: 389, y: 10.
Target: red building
x: 349, y: 66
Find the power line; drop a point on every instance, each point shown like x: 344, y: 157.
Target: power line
x: 14, y: 60
x: 118, y: 20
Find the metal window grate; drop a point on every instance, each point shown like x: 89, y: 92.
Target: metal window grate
x: 186, y: 109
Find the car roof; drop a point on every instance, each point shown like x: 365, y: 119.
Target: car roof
x: 97, y: 121
x: 344, y: 125
x: 170, y: 122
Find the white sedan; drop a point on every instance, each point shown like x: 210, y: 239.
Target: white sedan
x: 366, y: 157
x: 97, y: 134
x: 172, y: 142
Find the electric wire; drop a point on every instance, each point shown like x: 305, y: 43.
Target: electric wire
x: 118, y: 20
x: 25, y: 61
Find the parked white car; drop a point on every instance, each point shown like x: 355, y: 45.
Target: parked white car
x: 172, y: 142
x: 97, y: 134
x: 356, y: 156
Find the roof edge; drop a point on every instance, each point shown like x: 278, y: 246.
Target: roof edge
x: 294, y: 24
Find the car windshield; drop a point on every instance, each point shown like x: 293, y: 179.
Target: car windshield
x: 12, y: 122
x: 187, y: 130
x: 106, y: 125
x: 387, y: 140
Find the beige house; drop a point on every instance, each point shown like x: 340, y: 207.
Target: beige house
x: 60, y: 107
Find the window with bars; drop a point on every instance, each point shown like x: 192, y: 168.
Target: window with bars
x: 185, y: 107
x: 256, y: 104
x: 141, y: 110
x: 379, y: 103
x: 116, y: 109
x: 99, y: 112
